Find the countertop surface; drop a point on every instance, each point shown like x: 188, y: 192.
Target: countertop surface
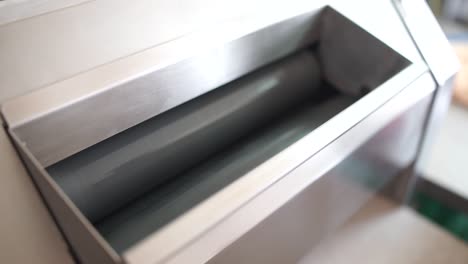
x: 383, y: 232
x: 447, y: 165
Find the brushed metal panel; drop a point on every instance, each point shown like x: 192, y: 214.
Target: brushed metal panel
x: 349, y: 68
x: 321, y: 208
x: 61, y: 46
x: 88, y: 245
x: 224, y: 217
x: 13, y: 10
x: 99, y: 115
x: 100, y: 94
x: 352, y: 60
x: 429, y: 38
x: 224, y: 203
x: 99, y: 82
x: 108, y: 175
x: 28, y: 233
x: 160, y: 206
x: 220, y: 212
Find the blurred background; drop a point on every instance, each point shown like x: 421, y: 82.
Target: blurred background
x: 447, y: 165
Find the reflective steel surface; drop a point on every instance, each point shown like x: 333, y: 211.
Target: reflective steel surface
x: 84, y: 121
x: 321, y: 178
x: 93, y: 53
x: 429, y: 38
x: 265, y: 189
x: 291, y: 231
x: 126, y: 92
x: 109, y: 175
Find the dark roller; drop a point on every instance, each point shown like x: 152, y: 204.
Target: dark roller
x: 116, y: 171
x: 164, y: 203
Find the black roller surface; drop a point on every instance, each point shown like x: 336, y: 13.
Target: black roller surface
x: 114, y: 172
x: 159, y: 207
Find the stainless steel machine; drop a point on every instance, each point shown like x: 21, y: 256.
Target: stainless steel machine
x: 293, y: 117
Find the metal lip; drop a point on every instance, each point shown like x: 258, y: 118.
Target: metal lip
x: 87, y: 237
x: 89, y: 83
x: 254, y: 184
x: 229, y: 204
x: 19, y: 113
x: 429, y: 38
x: 26, y: 112
x: 120, y: 95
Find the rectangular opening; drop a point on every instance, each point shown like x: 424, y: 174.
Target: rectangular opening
x: 139, y: 180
